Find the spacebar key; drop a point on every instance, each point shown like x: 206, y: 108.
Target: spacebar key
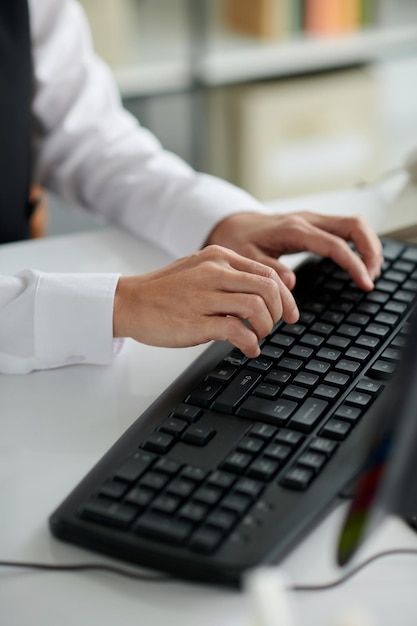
x: 308, y: 414
x: 234, y: 393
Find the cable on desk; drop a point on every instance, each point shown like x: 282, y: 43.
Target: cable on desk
x: 353, y: 571
x: 121, y: 571
x: 82, y: 567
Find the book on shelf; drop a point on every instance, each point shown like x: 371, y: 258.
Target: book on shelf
x: 274, y: 19
x: 266, y: 19
x: 331, y: 17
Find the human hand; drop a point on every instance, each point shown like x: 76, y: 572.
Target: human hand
x: 265, y: 238
x: 203, y: 297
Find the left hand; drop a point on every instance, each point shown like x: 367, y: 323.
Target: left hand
x: 265, y: 238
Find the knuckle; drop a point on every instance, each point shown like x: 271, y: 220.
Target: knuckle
x: 214, y: 252
x: 256, y: 305
x: 295, y: 221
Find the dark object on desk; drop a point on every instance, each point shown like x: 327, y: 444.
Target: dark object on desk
x: 239, y: 458
x: 387, y: 484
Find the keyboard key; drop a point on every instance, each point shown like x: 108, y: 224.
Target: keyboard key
x: 251, y: 445
x: 277, y: 376
x: 282, y: 340
x: 168, y: 466
x: 275, y: 412
x: 367, y: 341
x: 369, y: 385
x: 394, y: 306
x: 377, y: 329
x: 348, y: 413
x: 327, y: 391
x: 278, y: 451
x: 165, y: 504
x: 322, y: 329
x: 349, y: 330
x: 290, y: 364
x: 263, y: 431
x: 135, y: 466
x: 206, y: 540
x: 266, y: 390
x: 236, y: 502
x: 298, y: 477
x: 392, y: 354
x: 237, y: 462
x: 337, y: 378
x: 312, y: 460
x: 204, y: 394
x: 295, y: 392
x: 319, y: 367
x: 260, y: 364
x: 360, y: 354
x: 381, y: 370
x: 208, y: 495
x: 358, y: 398
x: 167, y: 529
x: 272, y: 352
x: 306, y: 379
x: 159, y: 442
x: 289, y: 437
x: 309, y: 414
x: 181, y: 487
x: 301, y: 352
x: 223, y: 373
x: 263, y: 468
x: 221, y: 479
x: 238, y: 389
x: 198, y: 435
x: 347, y: 365
x: 223, y: 520
x: 154, y: 480
x: 114, y: 489
x: 173, y: 426
x: 140, y: 497
x: 187, y: 412
x: 338, y: 342
x: 328, y: 353
x: 324, y: 446
x: 109, y: 512
x: 336, y: 429
x: 249, y: 487
x: 236, y: 357
x: 194, y: 473
x: 312, y: 340
x: 193, y: 512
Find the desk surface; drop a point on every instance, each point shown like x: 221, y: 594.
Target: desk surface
x: 56, y: 424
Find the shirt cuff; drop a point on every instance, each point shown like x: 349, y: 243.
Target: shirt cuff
x: 74, y: 319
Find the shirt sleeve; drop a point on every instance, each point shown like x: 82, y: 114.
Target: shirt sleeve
x: 52, y: 320
x: 93, y: 152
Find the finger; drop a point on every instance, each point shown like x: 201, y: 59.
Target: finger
x: 287, y: 276
x: 326, y: 244
x: 223, y: 328
x: 357, y: 230
x: 276, y: 296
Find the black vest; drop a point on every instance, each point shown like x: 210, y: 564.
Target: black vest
x: 15, y: 119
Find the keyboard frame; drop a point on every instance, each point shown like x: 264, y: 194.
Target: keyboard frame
x: 266, y: 544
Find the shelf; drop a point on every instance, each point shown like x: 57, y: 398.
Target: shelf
x: 231, y: 59
x: 235, y: 59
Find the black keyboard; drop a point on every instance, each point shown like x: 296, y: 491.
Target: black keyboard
x: 239, y: 458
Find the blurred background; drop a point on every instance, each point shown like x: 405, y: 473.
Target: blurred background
x: 282, y: 97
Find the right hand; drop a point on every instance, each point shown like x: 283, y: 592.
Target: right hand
x: 203, y: 297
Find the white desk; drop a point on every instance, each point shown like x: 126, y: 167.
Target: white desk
x: 56, y: 424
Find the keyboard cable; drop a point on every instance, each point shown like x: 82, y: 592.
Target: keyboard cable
x: 121, y: 571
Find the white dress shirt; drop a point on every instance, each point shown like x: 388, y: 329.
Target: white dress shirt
x: 88, y: 149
